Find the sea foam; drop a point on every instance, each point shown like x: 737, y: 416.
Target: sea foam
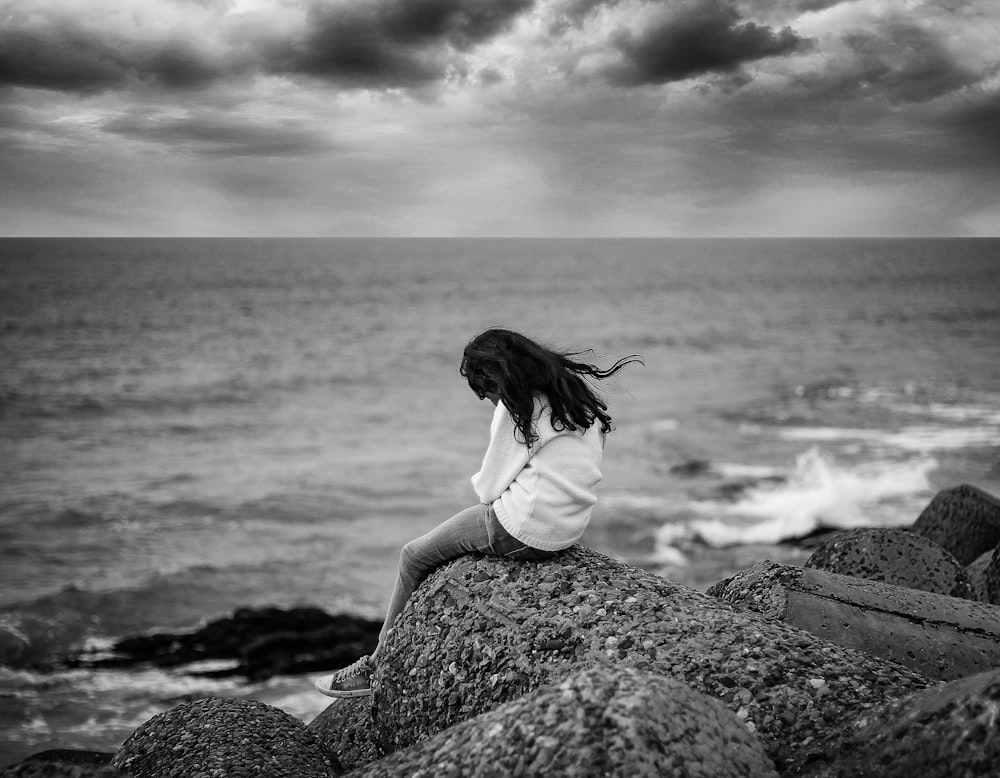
x: 818, y: 492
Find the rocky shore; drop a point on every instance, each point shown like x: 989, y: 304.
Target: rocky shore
x: 879, y: 657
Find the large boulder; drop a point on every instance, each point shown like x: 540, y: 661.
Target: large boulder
x: 963, y: 520
x: 608, y: 720
x: 952, y: 731
x: 991, y: 578
x: 895, y: 556
x: 976, y: 570
x: 345, y: 726
x: 225, y: 738
x: 481, y: 631
x: 942, y: 637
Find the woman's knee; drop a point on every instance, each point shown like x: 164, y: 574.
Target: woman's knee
x: 413, y: 556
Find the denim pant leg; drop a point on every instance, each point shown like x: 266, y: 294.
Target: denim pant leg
x: 475, y: 529
x: 463, y: 533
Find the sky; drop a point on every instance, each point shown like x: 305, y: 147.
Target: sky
x: 590, y: 118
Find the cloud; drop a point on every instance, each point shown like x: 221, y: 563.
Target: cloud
x: 396, y: 43
x: 704, y: 38
x: 977, y: 123
x: 906, y: 64
x: 64, y: 56
x: 355, y: 43
x: 219, y: 135
x: 818, y: 5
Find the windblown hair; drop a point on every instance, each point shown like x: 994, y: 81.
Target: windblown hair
x: 517, y: 368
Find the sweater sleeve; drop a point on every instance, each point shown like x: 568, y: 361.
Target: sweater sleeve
x: 505, y: 457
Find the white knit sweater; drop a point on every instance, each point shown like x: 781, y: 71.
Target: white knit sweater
x: 543, y: 496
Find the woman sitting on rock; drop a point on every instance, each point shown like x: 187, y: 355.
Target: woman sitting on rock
x: 538, y: 477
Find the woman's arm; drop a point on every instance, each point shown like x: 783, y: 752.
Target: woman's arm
x: 505, y: 457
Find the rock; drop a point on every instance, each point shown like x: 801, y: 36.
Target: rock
x: 60, y: 770
x: 603, y: 721
x: 692, y: 468
x: 231, y: 738
x: 481, y: 631
x: 345, y: 726
x: 64, y: 763
x: 72, y: 756
x: 942, y: 637
x: 963, y: 520
x: 991, y: 578
x: 262, y: 641
x: 976, y: 570
x: 952, y: 731
x: 895, y: 556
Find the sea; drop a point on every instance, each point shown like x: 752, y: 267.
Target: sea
x: 189, y: 426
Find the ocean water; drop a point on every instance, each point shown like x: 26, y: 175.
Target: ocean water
x: 189, y: 426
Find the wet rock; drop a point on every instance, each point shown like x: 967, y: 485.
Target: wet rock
x: 50, y: 769
x: 262, y: 642
x: 231, y: 738
x: 939, y: 636
x: 963, y: 520
x: 895, y: 556
x: 603, y: 721
x: 952, y: 731
x: 478, y: 633
x: 72, y: 756
x: 692, y: 468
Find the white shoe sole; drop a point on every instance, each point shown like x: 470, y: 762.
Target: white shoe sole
x: 323, y: 687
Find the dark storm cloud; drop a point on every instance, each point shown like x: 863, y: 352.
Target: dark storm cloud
x: 705, y: 38
x: 66, y: 59
x: 907, y: 64
x: 896, y: 64
x: 396, y: 42
x: 380, y: 43
x: 817, y: 5
x: 62, y: 60
x: 219, y: 136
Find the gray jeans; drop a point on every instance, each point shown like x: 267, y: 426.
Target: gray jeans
x: 475, y: 529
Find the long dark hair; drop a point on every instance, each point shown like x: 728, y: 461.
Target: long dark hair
x: 517, y: 368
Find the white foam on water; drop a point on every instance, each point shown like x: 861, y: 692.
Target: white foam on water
x: 735, y: 470
x: 817, y: 492
x: 923, y: 438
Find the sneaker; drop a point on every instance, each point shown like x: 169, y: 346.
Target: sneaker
x: 353, y: 681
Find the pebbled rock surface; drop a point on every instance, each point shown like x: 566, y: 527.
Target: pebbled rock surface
x: 952, y: 731
x: 991, y: 578
x: 225, y: 738
x: 262, y: 642
x: 963, y: 520
x: 483, y: 630
x: 894, y: 556
x: 976, y: 570
x: 939, y: 636
x: 346, y: 727
x: 604, y: 721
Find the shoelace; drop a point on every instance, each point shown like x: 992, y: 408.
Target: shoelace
x: 351, y: 670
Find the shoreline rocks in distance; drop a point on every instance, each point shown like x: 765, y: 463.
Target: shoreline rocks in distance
x: 261, y: 642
